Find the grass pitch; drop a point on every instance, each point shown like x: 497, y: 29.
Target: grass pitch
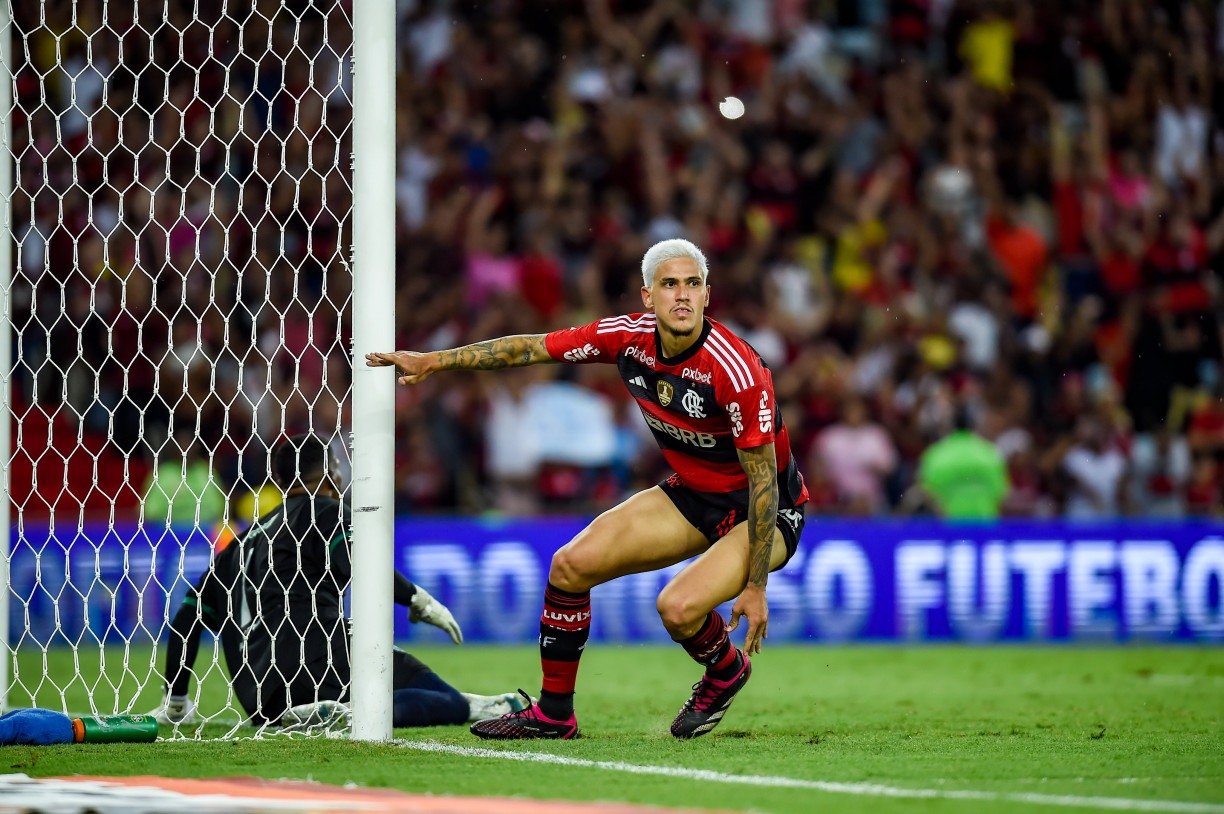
x: 1026, y: 723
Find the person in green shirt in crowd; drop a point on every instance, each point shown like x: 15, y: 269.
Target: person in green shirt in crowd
x: 177, y: 486
x: 963, y: 476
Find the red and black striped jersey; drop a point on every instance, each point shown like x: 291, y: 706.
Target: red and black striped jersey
x: 701, y: 406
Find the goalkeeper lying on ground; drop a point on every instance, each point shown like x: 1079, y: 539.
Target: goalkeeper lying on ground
x: 274, y: 598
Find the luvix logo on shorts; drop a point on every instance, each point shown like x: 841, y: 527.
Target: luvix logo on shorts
x: 578, y: 354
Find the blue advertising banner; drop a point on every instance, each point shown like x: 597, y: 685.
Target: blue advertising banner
x: 83, y: 585
x: 849, y: 581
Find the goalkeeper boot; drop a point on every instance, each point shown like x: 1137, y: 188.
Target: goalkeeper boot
x: 178, y: 710
x: 709, y: 702
x: 526, y: 723
x: 483, y: 707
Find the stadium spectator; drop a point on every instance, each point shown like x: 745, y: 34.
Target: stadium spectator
x: 1160, y: 472
x: 1206, y: 425
x: 858, y: 456
x: 512, y: 457
x: 1205, y: 491
x: 963, y: 475
x: 183, y: 490
x: 1096, y: 471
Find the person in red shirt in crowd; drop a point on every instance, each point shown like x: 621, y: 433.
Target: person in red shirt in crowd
x: 1175, y: 264
x: 1023, y: 254
x: 735, y: 501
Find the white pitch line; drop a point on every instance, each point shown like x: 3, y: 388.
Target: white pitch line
x: 861, y: 789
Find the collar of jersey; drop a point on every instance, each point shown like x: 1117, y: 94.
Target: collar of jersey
x: 686, y: 354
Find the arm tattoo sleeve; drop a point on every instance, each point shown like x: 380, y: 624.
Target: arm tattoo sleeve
x: 495, y: 354
x: 762, y: 468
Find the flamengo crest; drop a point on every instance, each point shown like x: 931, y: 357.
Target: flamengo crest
x: 665, y: 391
x: 693, y: 404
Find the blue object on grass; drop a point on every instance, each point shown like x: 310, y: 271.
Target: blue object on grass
x: 35, y: 727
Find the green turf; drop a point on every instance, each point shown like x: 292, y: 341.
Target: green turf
x: 1138, y: 723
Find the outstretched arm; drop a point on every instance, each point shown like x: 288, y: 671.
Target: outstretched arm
x: 508, y: 351
x: 761, y: 465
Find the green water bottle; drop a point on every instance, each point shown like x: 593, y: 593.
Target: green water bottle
x: 114, y: 729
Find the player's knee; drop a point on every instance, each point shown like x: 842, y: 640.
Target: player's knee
x: 679, y: 611
x: 567, y: 571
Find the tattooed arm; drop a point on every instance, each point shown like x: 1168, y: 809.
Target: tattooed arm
x: 495, y: 354
x: 761, y: 465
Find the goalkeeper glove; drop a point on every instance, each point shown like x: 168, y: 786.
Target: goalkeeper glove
x: 424, y: 608
x: 175, y: 709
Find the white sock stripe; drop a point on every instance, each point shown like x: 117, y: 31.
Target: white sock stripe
x: 832, y: 787
x: 721, y: 342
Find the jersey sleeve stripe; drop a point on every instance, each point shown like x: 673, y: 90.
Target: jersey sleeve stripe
x: 736, y: 375
x: 731, y: 373
x: 623, y: 329
x: 720, y: 342
x: 645, y: 319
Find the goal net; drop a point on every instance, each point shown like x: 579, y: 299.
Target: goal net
x: 178, y: 300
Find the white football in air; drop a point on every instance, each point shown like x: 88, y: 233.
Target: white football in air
x: 731, y: 108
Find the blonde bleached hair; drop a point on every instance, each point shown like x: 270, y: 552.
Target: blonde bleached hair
x: 672, y: 249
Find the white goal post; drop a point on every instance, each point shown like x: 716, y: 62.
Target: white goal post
x: 374, y: 399
x: 186, y: 278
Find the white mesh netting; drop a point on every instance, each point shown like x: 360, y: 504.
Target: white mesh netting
x: 179, y: 303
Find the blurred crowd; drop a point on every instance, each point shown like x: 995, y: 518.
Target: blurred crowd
x: 1001, y: 216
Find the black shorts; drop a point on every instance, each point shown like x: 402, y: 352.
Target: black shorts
x: 716, y: 513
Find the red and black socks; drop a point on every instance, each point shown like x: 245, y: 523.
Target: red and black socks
x: 565, y: 625
x: 711, y: 646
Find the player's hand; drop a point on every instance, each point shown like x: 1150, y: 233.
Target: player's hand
x: 412, y: 367
x: 753, y: 607
x: 424, y: 608
x: 175, y: 709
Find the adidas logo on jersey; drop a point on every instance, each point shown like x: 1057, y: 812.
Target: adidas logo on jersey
x: 639, y: 381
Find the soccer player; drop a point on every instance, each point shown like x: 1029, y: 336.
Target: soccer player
x: 274, y: 599
x: 736, y: 497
